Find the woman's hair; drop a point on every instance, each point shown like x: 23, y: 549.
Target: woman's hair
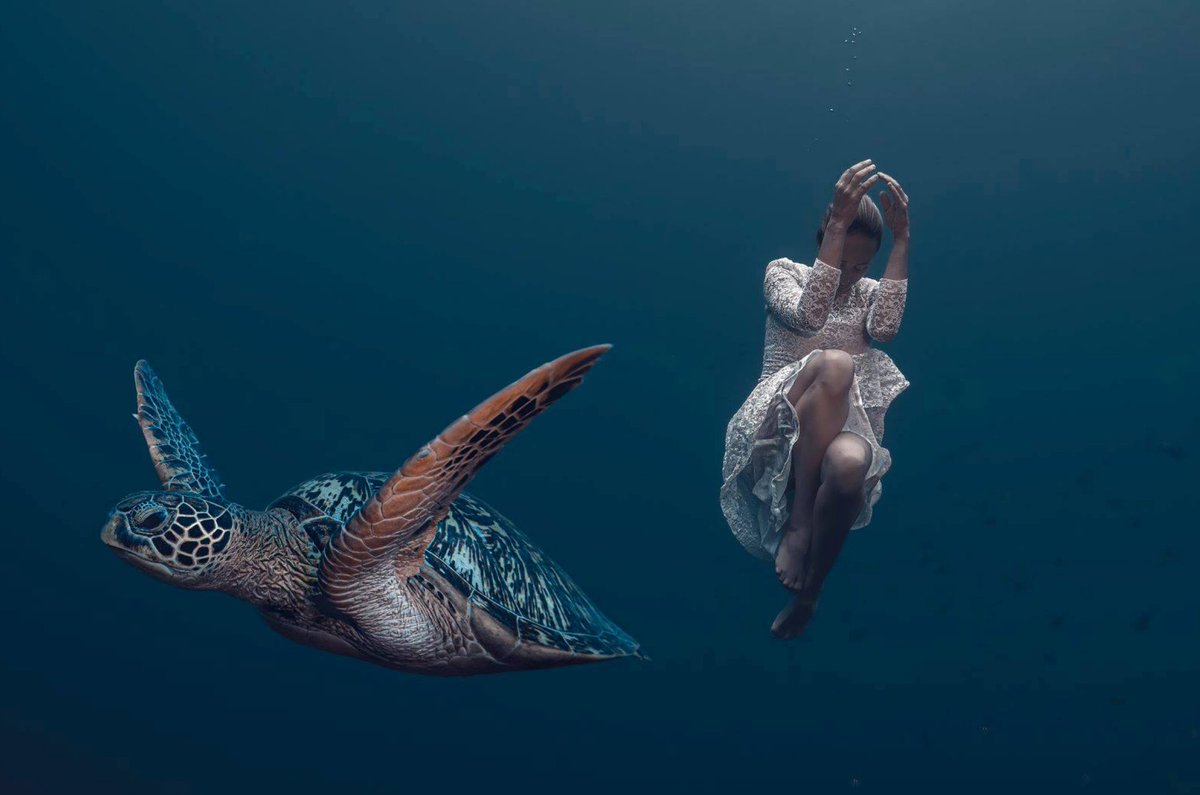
x: 868, y: 221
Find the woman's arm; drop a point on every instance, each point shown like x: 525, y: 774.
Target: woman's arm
x: 847, y: 195
x: 887, y: 300
x: 887, y: 308
x: 802, y: 307
x: 897, y: 264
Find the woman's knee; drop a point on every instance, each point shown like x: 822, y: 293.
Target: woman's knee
x: 834, y: 370
x: 846, y: 464
x: 827, y: 375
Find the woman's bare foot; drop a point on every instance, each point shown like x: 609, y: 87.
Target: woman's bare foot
x: 791, y: 558
x: 794, y: 617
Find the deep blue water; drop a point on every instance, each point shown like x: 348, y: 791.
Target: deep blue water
x: 332, y: 227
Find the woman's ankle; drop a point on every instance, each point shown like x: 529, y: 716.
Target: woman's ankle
x: 793, y: 527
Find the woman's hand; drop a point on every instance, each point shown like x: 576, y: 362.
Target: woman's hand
x: 895, y: 208
x: 848, y: 192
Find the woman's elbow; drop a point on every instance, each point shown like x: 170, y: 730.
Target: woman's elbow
x: 885, y: 334
x: 796, y: 320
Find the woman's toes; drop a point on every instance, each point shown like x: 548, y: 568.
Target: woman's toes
x: 792, y: 619
x: 789, y: 578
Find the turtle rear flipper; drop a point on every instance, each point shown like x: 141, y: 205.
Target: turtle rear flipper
x: 397, y: 524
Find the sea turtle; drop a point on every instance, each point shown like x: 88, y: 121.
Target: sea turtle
x: 401, y: 569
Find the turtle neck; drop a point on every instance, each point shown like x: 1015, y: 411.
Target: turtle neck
x: 269, y: 566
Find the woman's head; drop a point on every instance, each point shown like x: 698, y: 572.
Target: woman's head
x: 864, y: 236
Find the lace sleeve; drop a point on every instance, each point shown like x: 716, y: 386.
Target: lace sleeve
x: 801, y: 301
x: 887, y: 308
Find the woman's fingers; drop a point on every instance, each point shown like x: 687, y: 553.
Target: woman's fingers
x: 851, y: 187
x: 890, y: 199
x: 848, y: 176
x: 862, y: 173
x: 865, y: 185
x: 856, y: 185
x: 858, y: 166
x: 901, y: 196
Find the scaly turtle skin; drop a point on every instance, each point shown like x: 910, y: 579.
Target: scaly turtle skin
x: 403, y: 569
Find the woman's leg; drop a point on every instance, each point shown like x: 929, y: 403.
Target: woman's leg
x: 839, y: 500
x: 820, y: 396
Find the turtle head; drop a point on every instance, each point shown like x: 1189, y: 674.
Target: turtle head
x: 177, y: 537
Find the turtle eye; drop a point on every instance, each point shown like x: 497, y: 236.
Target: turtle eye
x: 150, y: 519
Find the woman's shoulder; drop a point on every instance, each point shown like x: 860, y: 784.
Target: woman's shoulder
x: 785, y: 264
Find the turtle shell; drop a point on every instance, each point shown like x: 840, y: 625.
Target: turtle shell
x: 483, y: 555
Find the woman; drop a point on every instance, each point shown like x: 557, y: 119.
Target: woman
x: 803, y: 455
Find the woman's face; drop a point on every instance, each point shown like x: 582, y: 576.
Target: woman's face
x: 856, y: 257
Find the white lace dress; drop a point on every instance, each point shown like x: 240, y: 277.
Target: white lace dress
x: 807, y: 312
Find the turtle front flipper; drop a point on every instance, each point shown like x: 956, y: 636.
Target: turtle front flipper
x: 174, y: 448
x: 396, y: 525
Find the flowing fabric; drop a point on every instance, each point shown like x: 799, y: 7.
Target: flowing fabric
x: 806, y: 313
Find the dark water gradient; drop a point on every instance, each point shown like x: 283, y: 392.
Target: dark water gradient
x: 334, y: 226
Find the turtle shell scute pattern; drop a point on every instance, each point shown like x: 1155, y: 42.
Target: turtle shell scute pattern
x: 495, y: 566
x: 487, y: 559
x: 336, y: 495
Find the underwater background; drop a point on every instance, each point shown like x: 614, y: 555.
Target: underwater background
x: 333, y: 227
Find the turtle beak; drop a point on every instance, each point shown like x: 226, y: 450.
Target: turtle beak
x: 121, y: 540
x: 116, y: 526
